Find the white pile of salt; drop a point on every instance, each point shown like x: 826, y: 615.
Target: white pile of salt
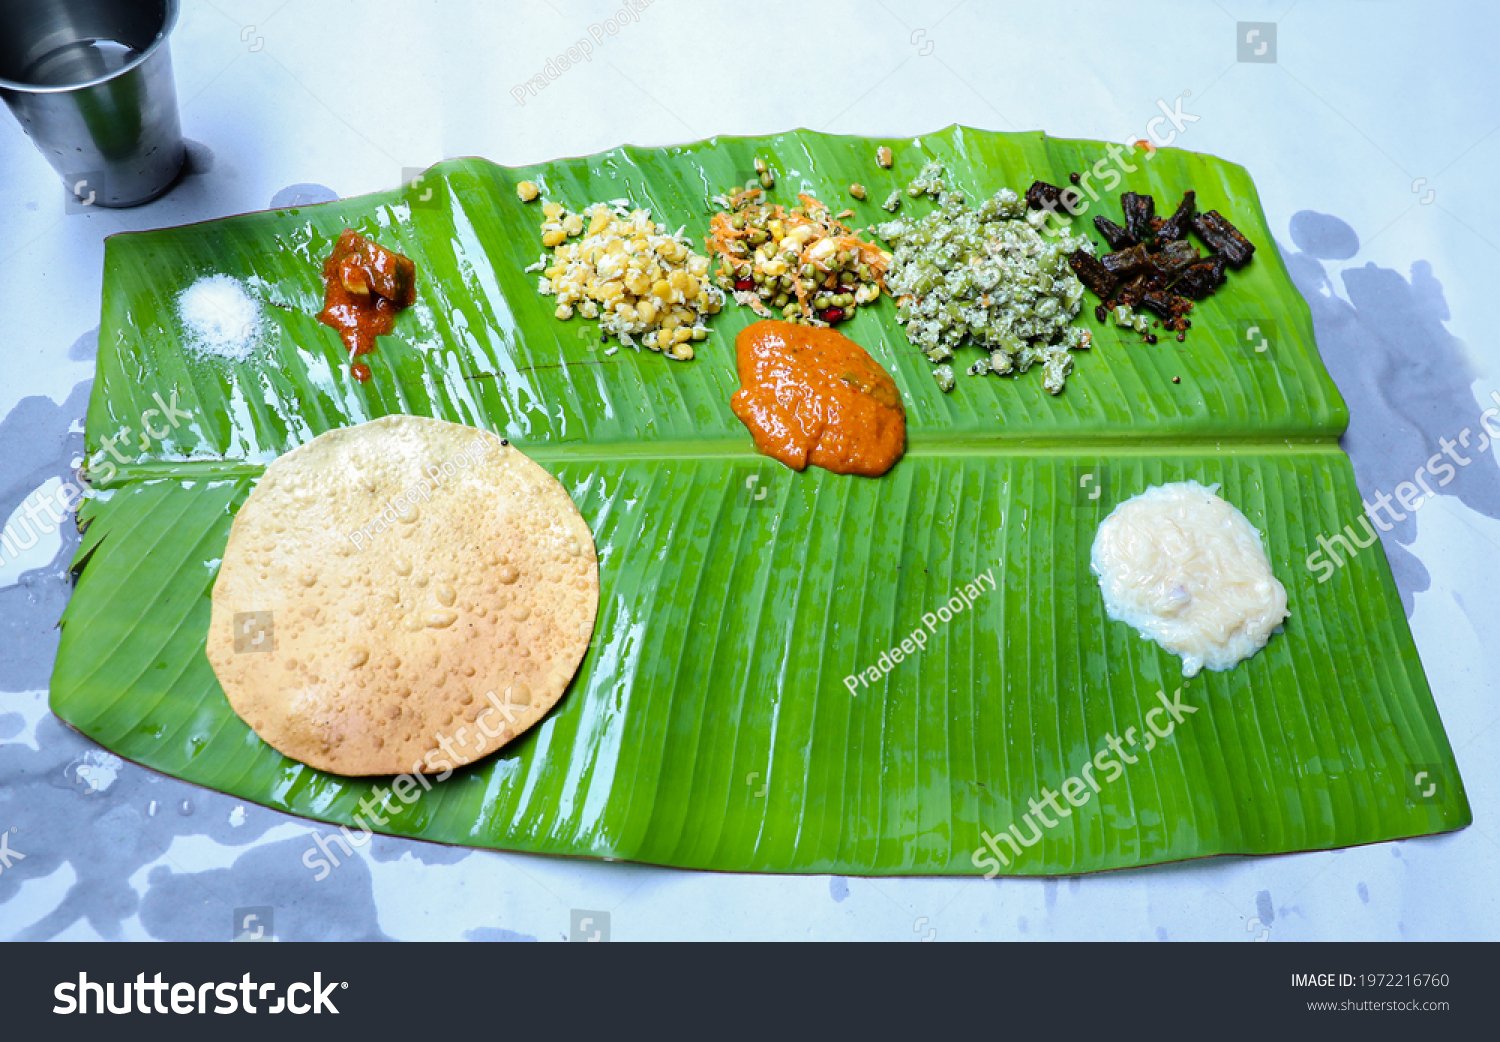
x: 220, y: 318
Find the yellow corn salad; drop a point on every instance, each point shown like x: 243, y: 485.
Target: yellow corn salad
x: 619, y: 266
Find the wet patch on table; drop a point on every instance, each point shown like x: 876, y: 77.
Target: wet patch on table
x: 492, y: 933
x: 1405, y: 379
x: 302, y: 195
x: 39, y: 441
x: 201, y: 906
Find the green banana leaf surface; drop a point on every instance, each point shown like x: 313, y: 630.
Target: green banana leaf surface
x: 746, y: 703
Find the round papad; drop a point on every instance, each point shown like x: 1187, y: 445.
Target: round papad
x: 404, y: 596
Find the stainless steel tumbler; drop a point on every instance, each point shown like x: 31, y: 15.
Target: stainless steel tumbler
x: 91, y: 83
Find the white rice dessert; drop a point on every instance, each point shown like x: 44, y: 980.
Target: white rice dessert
x: 1187, y: 570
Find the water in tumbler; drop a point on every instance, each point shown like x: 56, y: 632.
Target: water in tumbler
x: 78, y: 62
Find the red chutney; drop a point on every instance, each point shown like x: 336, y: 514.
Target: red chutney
x: 812, y: 395
x: 365, y: 284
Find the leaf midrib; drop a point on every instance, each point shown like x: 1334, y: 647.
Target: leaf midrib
x: 735, y: 450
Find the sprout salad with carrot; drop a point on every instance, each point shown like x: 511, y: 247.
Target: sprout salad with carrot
x: 801, y: 264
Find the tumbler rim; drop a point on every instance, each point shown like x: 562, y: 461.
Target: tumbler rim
x: 168, y: 24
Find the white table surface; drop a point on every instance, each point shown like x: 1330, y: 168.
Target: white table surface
x: 1364, y: 99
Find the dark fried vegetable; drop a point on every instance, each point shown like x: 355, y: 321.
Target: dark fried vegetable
x: 1153, y: 267
x: 1176, y: 226
x: 1092, y: 274
x: 1124, y: 263
x: 1117, y: 237
x: 1042, y: 196
x: 1174, y: 255
x: 1201, y: 278
x: 1140, y: 210
x: 1159, y: 302
x: 1134, y: 290
x: 1223, y: 238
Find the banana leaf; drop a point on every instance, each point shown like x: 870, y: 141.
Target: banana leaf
x: 742, y: 706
